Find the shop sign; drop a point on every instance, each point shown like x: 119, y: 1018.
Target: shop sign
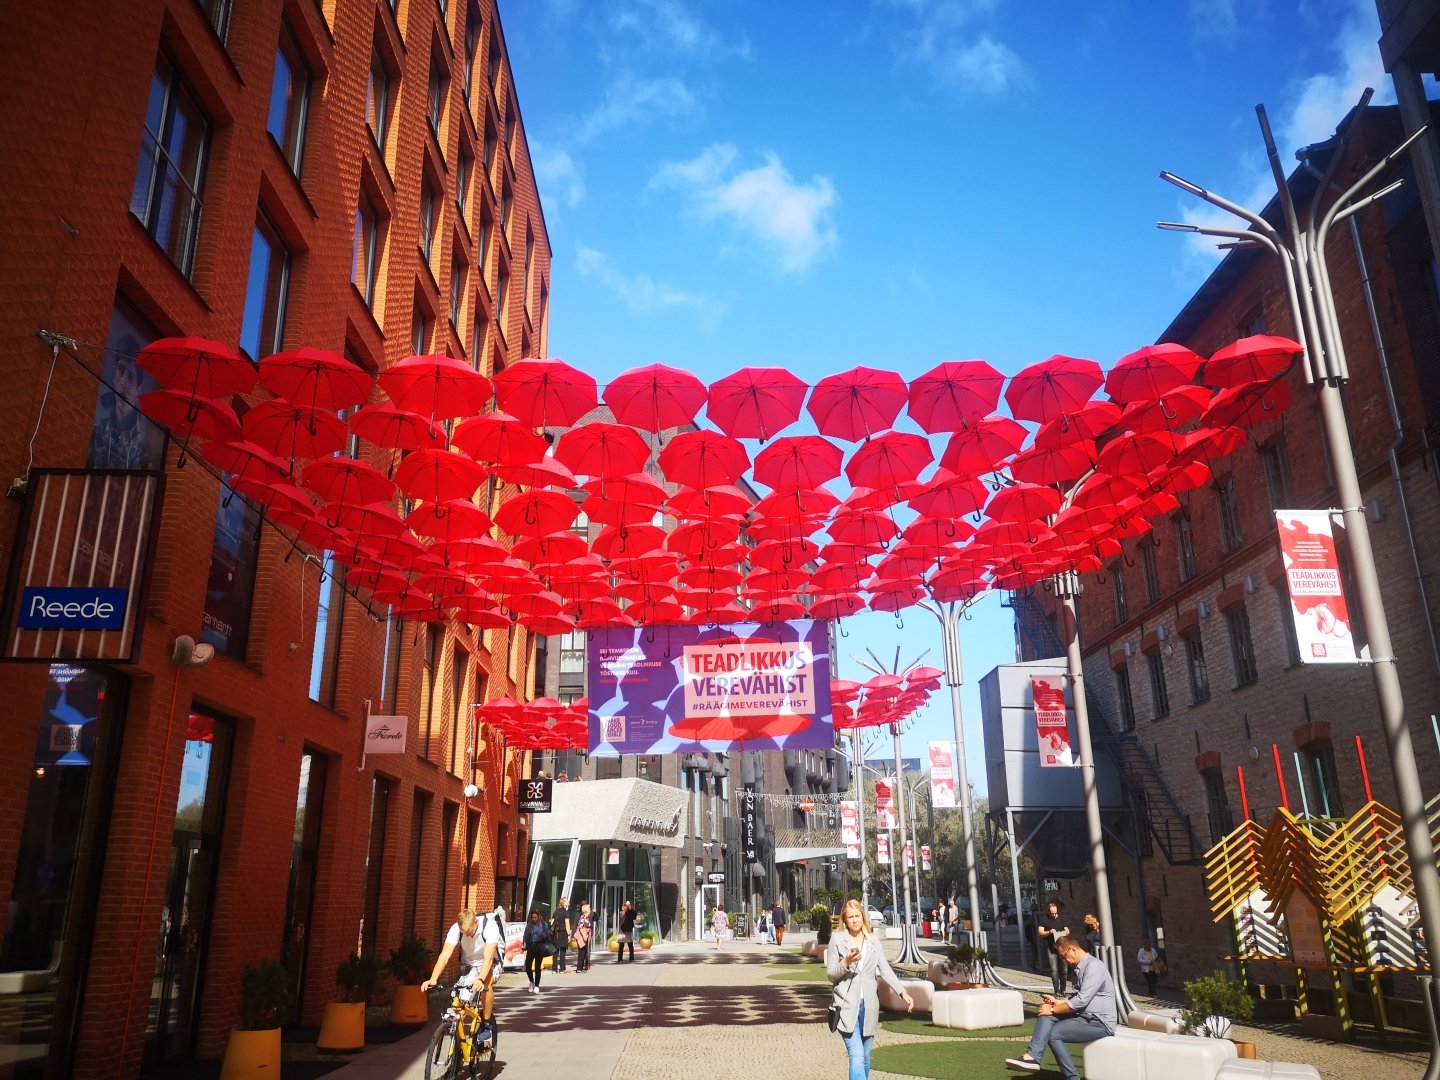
x: 715, y: 877
x: 87, y: 608
x: 385, y: 734
x: 749, y: 828
x: 646, y: 824
x: 536, y: 796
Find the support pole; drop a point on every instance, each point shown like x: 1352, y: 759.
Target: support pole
x: 1015, y: 880
x: 858, y: 753
x: 909, y: 953
x: 955, y: 675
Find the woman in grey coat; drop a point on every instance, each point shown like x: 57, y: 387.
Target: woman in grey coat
x: 855, y: 962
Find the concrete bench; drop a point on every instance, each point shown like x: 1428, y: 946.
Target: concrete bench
x: 1165, y: 1021
x: 1252, y: 1069
x: 1146, y: 1055
x: 978, y: 1008
x: 920, y: 991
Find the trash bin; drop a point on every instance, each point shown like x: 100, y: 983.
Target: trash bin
x: 925, y: 928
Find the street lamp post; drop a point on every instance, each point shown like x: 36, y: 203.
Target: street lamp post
x: 858, y: 751
x: 909, y: 952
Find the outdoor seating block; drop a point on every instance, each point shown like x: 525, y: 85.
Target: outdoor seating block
x: 1137, y: 1056
x: 1115, y: 1058
x: 921, y: 992
x: 1124, y: 1032
x: 1166, y: 1021
x: 982, y: 1007
x: 1240, y: 1069
x: 935, y: 972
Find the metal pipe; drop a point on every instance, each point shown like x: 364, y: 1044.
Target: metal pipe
x: 1015, y: 879
x: 858, y: 752
x: 955, y: 675
x: 909, y: 954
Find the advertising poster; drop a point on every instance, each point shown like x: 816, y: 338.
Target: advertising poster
x: 882, y: 849
x: 72, y: 706
x: 850, y: 827
x: 1052, y: 724
x: 925, y: 857
x: 942, y: 775
x: 885, y: 804
x: 1317, y: 597
x: 682, y: 689
x: 909, y: 855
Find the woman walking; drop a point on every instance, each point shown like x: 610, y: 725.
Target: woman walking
x: 584, y: 930
x: 720, y: 923
x: 855, y: 962
x: 536, y: 940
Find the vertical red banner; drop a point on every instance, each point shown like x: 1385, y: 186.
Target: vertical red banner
x: 1052, y: 723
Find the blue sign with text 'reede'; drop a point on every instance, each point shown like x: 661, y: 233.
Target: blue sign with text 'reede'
x: 44, y: 607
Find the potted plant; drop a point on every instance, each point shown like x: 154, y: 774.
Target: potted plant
x: 343, y: 1025
x: 1213, y: 1003
x: 820, y: 921
x: 254, y: 1047
x: 409, y: 963
x: 960, y: 966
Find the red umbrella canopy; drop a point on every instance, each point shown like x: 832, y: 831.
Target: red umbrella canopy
x: 536, y: 513
x: 1252, y: 359
x: 552, y: 550
x: 1089, y: 422
x: 547, y: 472
x: 1248, y: 404
x: 187, y: 417
x: 1148, y: 373
x: 396, y: 429
x: 756, y: 403
x: 372, y: 520
x: 198, y: 367
x: 1211, y: 444
x: 545, y: 392
x: 798, y: 461
x: 871, y: 527
x: 796, y: 506
x: 294, y: 431
x: 950, y: 496
x: 635, y: 490
x: 344, y: 479
x: 499, y: 438
x: 857, y: 403
x: 437, y: 387
x: 888, y: 460
x: 700, y: 541
x: 703, y: 459
x: 1138, y: 453
x: 953, y: 395
x: 315, y: 377
x: 709, y: 504
x: 783, y: 554
x: 245, y: 460
x: 619, y: 542
x: 655, y: 397
x: 1052, y: 388
x: 1054, y: 465
x: 981, y: 446
x: 1023, y: 502
x: 454, y: 520
x: 601, y: 449
x: 438, y: 476
x: 1171, y: 410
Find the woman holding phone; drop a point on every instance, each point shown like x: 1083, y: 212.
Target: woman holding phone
x: 855, y: 962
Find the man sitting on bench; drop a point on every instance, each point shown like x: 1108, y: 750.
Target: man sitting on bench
x: 1086, y: 1015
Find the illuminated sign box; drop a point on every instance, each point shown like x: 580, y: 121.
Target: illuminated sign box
x: 53, y: 608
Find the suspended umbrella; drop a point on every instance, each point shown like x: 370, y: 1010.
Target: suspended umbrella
x: 438, y: 476
x: 869, y: 527
x: 421, y: 607
x: 982, y: 445
x: 1169, y: 411
x: 796, y: 505
x: 836, y: 607
x: 448, y: 521
x: 436, y: 387
x: 847, y: 552
x: 698, y: 540
x: 198, y: 367
x: 1130, y: 454
x: 284, y: 498
x: 732, y: 554
x: 955, y: 394
x: 786, y: 527
x: 1105, y: 490
x: 712, y: 578
x: 547, y: 472
x: 772, y: 583
x: 316, y: 377
x: 564, y: 547
x: 784, y: 609
x: 498, y: 438
x: 601, y: 449
x: 186, y: 417
x: 783, y: 554
x: 480, y: 614
x: 1052, y: 388
x: 293, y: 431
x: 393, y: 428
x: 345, y: 479
x: 896, y: 599
x: 1054, y: 465
x: 949, y: 496
x: 473, y: 554
x: 601, y: 611
x: 655, y: 397
x: 938, y: 531
x: 755, y: 403
x: 1211, y: 444
x: 889, y: 459
x: 545, y: 392
x: 311, y: 530
x: 1091, y: 421
x: 703, y: 459
x: 881, y: 498
x: 537, y: 512
x: 1179, y: 478
x: 541, y: 603
x: 855, y: 404
x: 1023, y: 502
x: 649, y: 567
x: 617, y: 542
x: 662, y: 612
x: 368, y: 521
x: 442, y: 584
x: 798, y: 461
x: 1002, y: 533
x: 1249, y: 404
x: 1151, y: 372
x: 1259, y: 358
x: 246, y: 461
x: 708, y: 504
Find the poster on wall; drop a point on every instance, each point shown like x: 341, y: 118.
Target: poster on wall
x: 682, y: 689
x: 73, y: 700
x: 882, y: 849
x: 1052, y: 723
x: 1317, y: 594
x: 850, y: 827
x: 885, y: 803
x: 942, y: 775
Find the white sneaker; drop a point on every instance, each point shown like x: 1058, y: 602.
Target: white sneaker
x: 1022, y: 1064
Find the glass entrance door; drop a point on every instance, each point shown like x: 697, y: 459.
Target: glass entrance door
x: 611, y: 903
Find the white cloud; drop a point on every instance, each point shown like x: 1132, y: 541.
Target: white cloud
x: 794, y: 221
x: 1213, y: 18
x: 670, y: 26
x: 642, y: 294
x: 557, y: 175
x: 632, y: 101
x: 963, y: 57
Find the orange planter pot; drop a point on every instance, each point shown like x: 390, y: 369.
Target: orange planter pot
x: 409, y: 1006
x: 342, y: 1028
x: 252, y: 1054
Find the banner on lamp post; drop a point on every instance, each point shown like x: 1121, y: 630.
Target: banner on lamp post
x: 1317, y: 594
x: 882, y: 849
x: 885, y: 804
x: 925, y: 857
x: 909, y: 854
x: 942, y: 775
x: 850, y: 827
x: 1052, y: 723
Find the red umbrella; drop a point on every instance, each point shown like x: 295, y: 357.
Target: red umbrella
x: 693, y: 504
x: 1105, y: 490
x: 782, y: 609
x: 889, y: 459
x: 294, y: 431
x: 1023, y: 502
x: 1090, y: 422
x: 1251, y: 359
x: 857, y: 403
x: 937, y: 531
x: 315, y: 377
x: 438, y: 476
x: 620, y: 542
x: 454, y: 520
x: 1150, y: 372
x: 1054, y: 465
x: 625, y: 500
x: 953, y: 395
x: 950, y: 496
x: 756, y: 403
x: 556, y: 548
x: 846, y: 577
x: 895, y: 599
x: 344, y: 479
x: 535, y: 513
x: 796, y: 505
x: 547, y: 472
x: 1169, y: 411
x: 372, y: 520
x: 703, y: 459
x: 798, y: 461
x: 783, y: 554
x: 602, y: 449
x: 545, y: 392
x: 246, y: 461
x: 1179, y: 478
x: 438, y: 387
x: 869, y: 527
x: 1052, y: 388
x: 1211, y: 444
x: 713, y: 578
x: 698, y: 540
x: 394, y: 428
x: 187, y: 417
x: 498, y: 437
x: 287, y: 500
x: 1249, y: 404
x: 1138, y: 453
x: 198, y: 367
x: 982, y: 445
x: 655, y: 397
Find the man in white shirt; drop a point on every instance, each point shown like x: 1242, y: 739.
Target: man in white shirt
x: 480, y: 939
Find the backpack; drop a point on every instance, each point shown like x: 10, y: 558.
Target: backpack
x: 557, y: 923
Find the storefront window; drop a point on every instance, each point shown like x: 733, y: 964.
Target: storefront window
x: 304, y: 859
x: 231, y: 585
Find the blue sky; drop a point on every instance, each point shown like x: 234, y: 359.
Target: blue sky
x: 900, y: 182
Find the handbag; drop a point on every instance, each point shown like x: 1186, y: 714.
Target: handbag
x: 547, y: 948
x: 832, y: 1017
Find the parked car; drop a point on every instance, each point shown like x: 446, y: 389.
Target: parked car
x: 876, y: 917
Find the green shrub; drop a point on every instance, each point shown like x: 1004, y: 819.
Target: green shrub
x: 357, y: 974
x: 410, y: 962
x: 1211, y: 996
x: 820, y: 923
x: 264, y: 995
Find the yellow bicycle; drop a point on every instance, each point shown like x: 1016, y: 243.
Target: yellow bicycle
x: 457, y: 1048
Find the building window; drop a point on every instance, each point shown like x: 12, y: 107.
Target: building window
x: 504, y: 214
x: 1277, y: 475
x: 375, y: 863
x: 419, y: 809
x: 1152, y: 575
x: 429, y: 218
x: 529, y: 264
x: 1122, y: 608
x: 1322, y: 778
x: 170, y: 174
x: 1229, y: 507
x: 459, y: 670
x: 390, y: 664
x: 482, y: 236
x: 1195, y: 667
x: 457, y: 290
x: 1185, y: 548
x: 377, y: 100
x: 329, y: 625
x: 365, y: 262
x: 1127, y: 702
x: 289, y: 99
x: 230, y: 594
x: 218, y: 13
x: 477, y: 340
x: 420, y: 333
x: 435, y: 105
x: 1242, y: 649
x: 1292, y: 641
x: 262, y: 331
x: 464, y: 166
x: 1217, y: 805
x: 473, y: 27
x: 434, y: 644
x: 1159, y: 693
x: 492, y: 71
x: 572, y: 656
x: 502, y: 289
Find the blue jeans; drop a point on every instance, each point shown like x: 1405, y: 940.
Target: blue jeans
x: 858, y: 1047
x: 1055, y: 1033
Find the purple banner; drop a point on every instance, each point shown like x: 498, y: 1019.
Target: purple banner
x: 674, y: 689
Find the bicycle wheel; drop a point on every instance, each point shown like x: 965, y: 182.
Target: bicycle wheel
x: 482, y: 1057
x: 442, y: 1059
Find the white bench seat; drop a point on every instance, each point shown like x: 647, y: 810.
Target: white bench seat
x: 1253, y: 1069
x: 921, y: 992
x: 978, y: 1008
x: 1139, y: 1054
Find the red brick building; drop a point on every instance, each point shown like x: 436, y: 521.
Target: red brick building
x: 347, y: 174
x: 1190, y: 658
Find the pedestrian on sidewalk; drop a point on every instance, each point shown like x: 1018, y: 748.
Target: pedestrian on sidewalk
x: 762, y: 929
x: 855, y: 963
x: 560, y: 930
x: 1149, y: 958
x: 584, y: 931
x: 536, y: 940
x: 1052, y: 927
x: 628, y: 915
x: 720, y: 924
x: 777, y: 920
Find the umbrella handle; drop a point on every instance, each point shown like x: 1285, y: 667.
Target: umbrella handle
x: 840, y: 627
x: 1165, y: 412
x: 225, y: 502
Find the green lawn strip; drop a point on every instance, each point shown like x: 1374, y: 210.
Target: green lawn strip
x: 814, y: 974
x: 951, y: 1060
x: 910, y: 1025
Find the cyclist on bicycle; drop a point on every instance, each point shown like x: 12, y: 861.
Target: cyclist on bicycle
x: 480, y: 939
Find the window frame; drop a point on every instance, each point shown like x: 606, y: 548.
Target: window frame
x: 291, y: 140
x: 1151, y: 573
x: 1227, y: 504
x: 368, y: 227
x: 1122, y: 604
x: 378, y: 105
x: 1185, y: 549
x: 1243, y: 667
x: 1159, y: 689
x: 280, y: 290
x: 1197, y: 669
x: 156, y: 212
x: 1125, y: 696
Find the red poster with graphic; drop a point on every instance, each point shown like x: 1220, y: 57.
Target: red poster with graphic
x: 1052, y: 723
x: 885, y: 803
x: 1317, y: 595
x: 882, y: 849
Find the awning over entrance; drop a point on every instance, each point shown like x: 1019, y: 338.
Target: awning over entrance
x: 800, y: 854
x: 625, y: 811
